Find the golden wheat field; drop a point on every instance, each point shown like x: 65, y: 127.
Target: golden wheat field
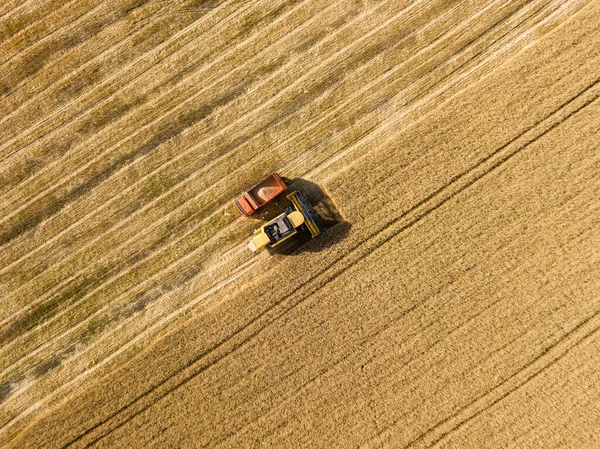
x: 451, y: 146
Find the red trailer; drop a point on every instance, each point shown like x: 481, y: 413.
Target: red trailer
x: 261, y: 194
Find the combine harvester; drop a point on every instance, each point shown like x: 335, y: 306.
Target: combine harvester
x: 299, y: 217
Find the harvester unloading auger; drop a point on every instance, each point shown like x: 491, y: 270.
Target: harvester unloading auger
x: 297, y: 218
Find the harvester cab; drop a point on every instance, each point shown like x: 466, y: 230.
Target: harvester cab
x: 297, y: 218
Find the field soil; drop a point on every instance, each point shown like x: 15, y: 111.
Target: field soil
x: 452, y: 149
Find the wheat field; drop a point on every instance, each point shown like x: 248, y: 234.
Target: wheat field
x: 453, y: 301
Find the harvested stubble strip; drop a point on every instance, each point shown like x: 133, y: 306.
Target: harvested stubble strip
x: 85, y: 67
x: 135, y: 71
x: 28, y: 23
x: 47, y: 51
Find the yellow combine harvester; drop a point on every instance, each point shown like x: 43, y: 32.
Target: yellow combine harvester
x: 295, y: 219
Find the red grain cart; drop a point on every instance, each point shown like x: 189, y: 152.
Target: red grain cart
x: 261, y: 194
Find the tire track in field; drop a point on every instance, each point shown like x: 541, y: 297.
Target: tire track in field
x: 573, y: 106
x: 393, y: 320
x: 488, y: 163
x: 388, y: 322
x: 497, y: 161
x: 551, y: 355
x: 423, y: 352
x: 406, y: 220
x: 147, y: 332
x: 279, y: 404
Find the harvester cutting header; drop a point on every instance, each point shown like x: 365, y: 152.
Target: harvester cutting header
x: 299, y: 217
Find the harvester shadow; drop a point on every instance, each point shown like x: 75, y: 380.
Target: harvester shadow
x: 336, y: 229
